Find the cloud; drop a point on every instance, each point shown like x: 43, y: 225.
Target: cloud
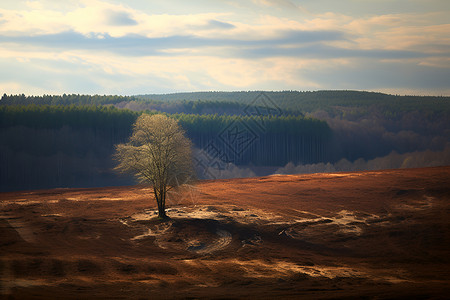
x: 306, y: 44
x: 101, y: 17
x: 220, y: 25
x: 145, y: 46
x: 264, y: 44
x: 281, y: 42
x: 120, y: 18
x: 285, y: 4
x: 330, y: 52
x: 91, y: 71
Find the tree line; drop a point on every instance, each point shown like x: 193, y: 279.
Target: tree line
x: 133, y: 103
x: 65, y: 99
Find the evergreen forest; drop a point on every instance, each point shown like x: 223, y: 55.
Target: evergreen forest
x: 67, y: 140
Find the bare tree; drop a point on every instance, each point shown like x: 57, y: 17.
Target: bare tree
x: 158, y: 153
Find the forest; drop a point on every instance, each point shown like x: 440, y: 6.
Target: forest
x: 71, y: 145
x: 67, y: 140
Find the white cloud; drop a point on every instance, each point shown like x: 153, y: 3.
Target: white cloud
x: 284, y: 4
x: 100, y: 17
x: 94, y: 42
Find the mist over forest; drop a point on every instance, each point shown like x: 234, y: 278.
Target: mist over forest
x: 67, y: 141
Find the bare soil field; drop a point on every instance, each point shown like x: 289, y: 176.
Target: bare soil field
x: 372, y: 235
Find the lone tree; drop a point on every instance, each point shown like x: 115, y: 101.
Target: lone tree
x: 158, y: 153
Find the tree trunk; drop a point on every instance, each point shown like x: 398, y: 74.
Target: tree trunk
x: 160, y: 201
x: 162, y: 212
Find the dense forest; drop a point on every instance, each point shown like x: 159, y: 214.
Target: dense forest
x: 56, y: 146
x: 71, y: 145
x: 67, y: 140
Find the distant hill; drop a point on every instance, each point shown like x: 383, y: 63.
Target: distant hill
x: 310, y: 101
x: 234, y: 103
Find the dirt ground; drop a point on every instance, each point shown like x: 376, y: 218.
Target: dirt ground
x: 373, y: 235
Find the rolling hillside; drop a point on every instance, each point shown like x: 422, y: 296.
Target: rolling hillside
x: 382, y: 234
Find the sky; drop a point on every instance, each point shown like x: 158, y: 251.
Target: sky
x: 161, y: 46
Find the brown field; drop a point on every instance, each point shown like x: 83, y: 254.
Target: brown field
x: 383, y: 234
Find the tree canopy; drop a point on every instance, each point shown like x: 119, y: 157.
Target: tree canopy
x: 157, y: 153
